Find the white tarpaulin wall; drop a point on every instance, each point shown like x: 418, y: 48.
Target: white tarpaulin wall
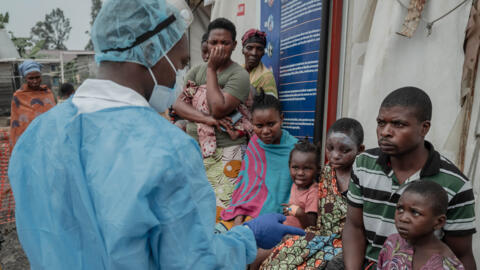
x: 201, y: 18
x: 378, y: 61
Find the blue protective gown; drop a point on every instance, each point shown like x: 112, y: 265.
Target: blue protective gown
x: 118, y: 188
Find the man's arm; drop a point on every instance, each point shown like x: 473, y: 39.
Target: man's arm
x: 462, y: 247
x: 353, y: 238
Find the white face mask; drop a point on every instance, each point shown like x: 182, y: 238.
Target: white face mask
x: 163, y: 97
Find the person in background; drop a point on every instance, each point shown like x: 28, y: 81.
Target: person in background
x: 227, y: 87
x: 254, y: 42
x: 204, y: 47
x: 380, y: 175
x: 104, y: 182
x: 28, y: 102
x: 421, y: 210
x: 66, y: 90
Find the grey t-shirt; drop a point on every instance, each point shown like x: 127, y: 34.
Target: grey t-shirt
x: 233, y: 80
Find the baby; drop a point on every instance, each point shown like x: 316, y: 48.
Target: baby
x: 301, y: 210
x: 421, y: 210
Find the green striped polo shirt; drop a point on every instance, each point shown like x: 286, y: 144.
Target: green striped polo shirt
x: 375, y: 188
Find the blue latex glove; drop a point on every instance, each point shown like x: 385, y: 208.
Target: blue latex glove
x: 269, y: 230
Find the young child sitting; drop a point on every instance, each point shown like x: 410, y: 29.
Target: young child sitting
x: 301, y: 210
x: 421, y: 210
x: 323, y: 242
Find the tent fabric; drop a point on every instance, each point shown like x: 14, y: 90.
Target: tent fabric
x: 379, y: 61
x: 201, y: 19
x: 392, y: 61
x: 7, y: 48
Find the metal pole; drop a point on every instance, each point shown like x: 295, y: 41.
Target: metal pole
x: 61, y: 67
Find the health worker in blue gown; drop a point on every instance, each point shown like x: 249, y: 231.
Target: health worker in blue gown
x: 103, y: 182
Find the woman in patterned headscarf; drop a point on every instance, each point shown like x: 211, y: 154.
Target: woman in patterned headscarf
x: 31, y: 100
x: 254, y: 42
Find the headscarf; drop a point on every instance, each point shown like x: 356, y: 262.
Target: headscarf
x: 254, y: 35
x: 29, y: 66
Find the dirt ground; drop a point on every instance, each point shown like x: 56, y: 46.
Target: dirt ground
x: 12, y: 256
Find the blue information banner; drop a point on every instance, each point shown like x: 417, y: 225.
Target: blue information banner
x: 293, y: 30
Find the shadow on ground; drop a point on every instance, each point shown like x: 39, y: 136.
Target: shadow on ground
x: 12, y: 256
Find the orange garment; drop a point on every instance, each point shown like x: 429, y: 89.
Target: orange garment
x: 26, y: 105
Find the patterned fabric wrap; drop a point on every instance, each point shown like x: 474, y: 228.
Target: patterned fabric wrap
x: 197, y: 97
x: 398, y: 254
x: 322, y: 242
x: 264, y: 181
x: 262, y: 77
x: 26, y: 105
x: 215, y: 167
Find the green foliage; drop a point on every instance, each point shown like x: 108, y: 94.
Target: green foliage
x: 54, y: 30
x: 96, y: 6
x: 4, y: 18
x: 26, y: 44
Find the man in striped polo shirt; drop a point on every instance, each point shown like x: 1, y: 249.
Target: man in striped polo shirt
x: 380, y: 175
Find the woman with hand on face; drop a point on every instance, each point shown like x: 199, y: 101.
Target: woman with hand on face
x: 225, y: 87
x: 31, y: 100
x: 254, y: 42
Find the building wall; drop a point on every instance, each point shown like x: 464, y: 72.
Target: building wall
x: 7, y: 87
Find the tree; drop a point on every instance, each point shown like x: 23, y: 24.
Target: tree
x: 25, y: 46
x: 55, y: 30
x: 96, y: 6
x: 3, y: 20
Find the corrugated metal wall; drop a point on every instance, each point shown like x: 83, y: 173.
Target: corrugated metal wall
x: 7, y: 87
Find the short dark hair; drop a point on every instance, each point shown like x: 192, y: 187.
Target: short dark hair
x: 350, y: 127
x: 410, y: 97
x: 66, y: 89
x: 263, y: 101
x: 432, y: 192
x: 305, y: 146
x: 222, y: 23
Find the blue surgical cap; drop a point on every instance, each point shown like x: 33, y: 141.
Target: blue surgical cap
x: 121, y: 22
x: 29, y: 66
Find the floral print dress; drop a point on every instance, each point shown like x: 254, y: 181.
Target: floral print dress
x: 321, y: 242
x: 398, y: 254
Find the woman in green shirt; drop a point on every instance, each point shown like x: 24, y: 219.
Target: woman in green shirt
x: 228, y: 87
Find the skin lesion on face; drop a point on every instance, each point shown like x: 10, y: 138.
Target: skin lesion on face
x: 267, y: 125
x: 341, y: 150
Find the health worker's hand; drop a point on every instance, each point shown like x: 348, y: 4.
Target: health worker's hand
x: 269, y: 230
